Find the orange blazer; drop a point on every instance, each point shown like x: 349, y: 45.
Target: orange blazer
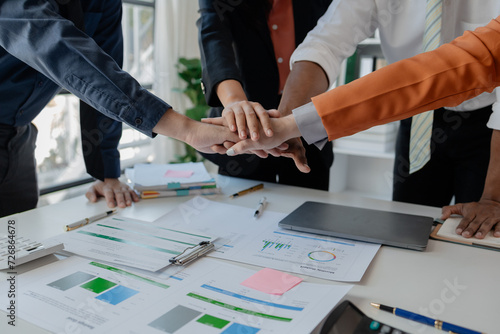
x: 446, y: 76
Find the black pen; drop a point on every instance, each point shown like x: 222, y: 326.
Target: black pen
x: 445, y: 326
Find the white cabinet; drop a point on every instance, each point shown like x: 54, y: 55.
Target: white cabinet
x: 362, y: 173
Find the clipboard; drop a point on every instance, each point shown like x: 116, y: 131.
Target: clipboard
x: 446, y: 232
x: 192, y: 253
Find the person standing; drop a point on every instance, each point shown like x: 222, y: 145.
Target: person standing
x: 43, y: 50
x: 245, y: 50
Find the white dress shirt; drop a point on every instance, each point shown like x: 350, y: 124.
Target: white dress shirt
x: 401, y: 26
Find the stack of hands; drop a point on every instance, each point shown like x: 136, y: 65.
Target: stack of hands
x: 260, y: 132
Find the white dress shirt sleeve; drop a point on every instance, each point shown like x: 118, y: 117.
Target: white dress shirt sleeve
x: 337, y: 34
x: 310, y: 126
x: 494, y: 121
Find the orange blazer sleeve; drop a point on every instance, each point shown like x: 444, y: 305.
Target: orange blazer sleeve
x: 447, y: 76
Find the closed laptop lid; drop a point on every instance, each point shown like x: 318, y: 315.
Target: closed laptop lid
x: 383, y: 227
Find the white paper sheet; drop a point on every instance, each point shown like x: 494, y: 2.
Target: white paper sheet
x: 81, y: 296
x: 261, y: 242
x: 130, y: 242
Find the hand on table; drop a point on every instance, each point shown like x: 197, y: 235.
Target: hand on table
x: 478, y: 218
x: 115, y: 192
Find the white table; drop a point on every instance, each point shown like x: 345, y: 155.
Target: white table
x: 455, y: 283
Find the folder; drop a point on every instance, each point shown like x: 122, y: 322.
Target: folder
x: 446, y: 232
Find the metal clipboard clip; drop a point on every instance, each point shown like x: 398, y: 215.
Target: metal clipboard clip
x: 192, y: 253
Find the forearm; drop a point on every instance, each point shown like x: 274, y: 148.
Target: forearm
x: 230, y: 91
x: 173, y: 124
x: 307, y: 79
x: 492, y: 184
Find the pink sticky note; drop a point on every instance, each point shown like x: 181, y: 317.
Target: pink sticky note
x: 178, y: 173
x: 271, y: 281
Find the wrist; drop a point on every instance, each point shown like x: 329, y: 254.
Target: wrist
x: 490, y: 196
x: 230, y: 100
x: 288, y: 127
x: 230, y: 91
x: 174, y: 125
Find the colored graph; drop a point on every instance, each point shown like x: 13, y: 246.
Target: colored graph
x: 321, y: 256
x: 275, y: 245
x: 105, y: 290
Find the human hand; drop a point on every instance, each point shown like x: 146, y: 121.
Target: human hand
x: 234, y: 118
x: 285, y: 129
x: 478, y: 218
x: 297, y: 152
x: 245, y: 117
x: 206, y: 138
x: 210, y: 138
x: 114, y: 191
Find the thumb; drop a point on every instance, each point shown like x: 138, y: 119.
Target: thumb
x: 215, y: 120
x: 91, y: 194
x: 274, y: 113
x: 248, y: 145
x: 300, y: 161
x: 238, y: 148
x: 447, y: 211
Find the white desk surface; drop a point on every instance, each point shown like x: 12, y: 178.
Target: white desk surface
x: 454, y: 283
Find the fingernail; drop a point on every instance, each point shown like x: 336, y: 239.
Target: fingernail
x: 269, y: 132
x: 230, y: 152
x: 479, y: 235
x: 496, y: 234
x: 243, y: 134
x: 233, y: 128
x: 254, y: 135
x: 466, y: 234
x: 459, y: 231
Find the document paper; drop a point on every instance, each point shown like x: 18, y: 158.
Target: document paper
x: 130, y: 242
x: 78, y: 295
x: 261, y: 242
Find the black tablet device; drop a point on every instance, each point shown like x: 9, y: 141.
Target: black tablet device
x: 382, y: 227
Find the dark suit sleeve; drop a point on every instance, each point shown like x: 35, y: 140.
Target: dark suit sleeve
x: 216, y: 48
x: 101, y: 134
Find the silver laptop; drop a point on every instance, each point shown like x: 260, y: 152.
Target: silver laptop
x: 382, y: 227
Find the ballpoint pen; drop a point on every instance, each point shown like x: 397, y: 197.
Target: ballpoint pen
x: 246, y: 191
x: 260, y: 207
x: 442, y: 325
x: 89, y: 220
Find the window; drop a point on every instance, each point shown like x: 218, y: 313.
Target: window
x: 59, y: 153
